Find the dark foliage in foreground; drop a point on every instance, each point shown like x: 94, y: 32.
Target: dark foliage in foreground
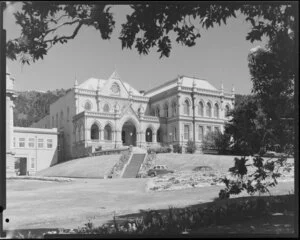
x: 177, y: 221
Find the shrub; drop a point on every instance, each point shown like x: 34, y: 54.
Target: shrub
x: 118, y: 167
x: 216, y: 141
x: 177, y: 148
x: 159, y: 150
x: 191, y: 146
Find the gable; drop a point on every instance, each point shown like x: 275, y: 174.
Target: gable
x: 128, y: 110
x: 114, y: 87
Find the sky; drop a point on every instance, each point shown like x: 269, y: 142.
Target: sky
x: 220, y: 55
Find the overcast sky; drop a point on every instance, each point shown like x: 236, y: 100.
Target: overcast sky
x: 219, y: 55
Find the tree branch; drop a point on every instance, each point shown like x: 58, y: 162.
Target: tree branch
x: 63, y: 24
x: 68, y: 37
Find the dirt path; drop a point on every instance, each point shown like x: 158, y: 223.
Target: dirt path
x: 45, y: 204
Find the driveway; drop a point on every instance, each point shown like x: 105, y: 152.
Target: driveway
x: 51, y: 204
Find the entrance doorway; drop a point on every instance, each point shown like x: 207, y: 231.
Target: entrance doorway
x: 129, y: 134
x: 21, y: 166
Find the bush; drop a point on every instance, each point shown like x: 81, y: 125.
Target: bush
x: 217, y: 141
x: 159, y: 150
x: 191, y: 146
x: 177, y: 148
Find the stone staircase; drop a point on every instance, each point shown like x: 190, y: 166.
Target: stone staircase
x: 133, y: 167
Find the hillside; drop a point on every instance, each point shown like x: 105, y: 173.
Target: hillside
x: 31, y: 106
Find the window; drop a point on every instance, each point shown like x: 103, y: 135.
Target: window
x: 87, y: 106
x: 94, y: 132
x: 40, y: 143
x: 200, y: 109
x: 186, y: 132
x: 158, y: 135
x: 148, y: 135
x: 107, y: 133
x: 14, y: 142
x: 53, y: 121
x: 208, y: 109
x: 166, y: 108
x: 106, y: 108
x: 49, y: 143
x: 186, y: 107
x: 157, y: 112
x: 32, y: 163
x: 227, y: 109
x: 174, y: 134
x: 217, y: 129
x: 200, y: 133
x: 21, y: 142
x: 216, y: 111
x: 174, y: 109
x: 31, y: 142
x: 208, y: 129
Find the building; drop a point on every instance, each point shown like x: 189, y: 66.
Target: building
x: 109, y: 113
x: 28, y: 150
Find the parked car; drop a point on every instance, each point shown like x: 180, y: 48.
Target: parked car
x: 158, y: 170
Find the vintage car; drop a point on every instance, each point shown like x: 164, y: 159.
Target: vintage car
x: 158, y: 170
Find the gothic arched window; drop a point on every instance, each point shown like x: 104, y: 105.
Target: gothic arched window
x: 216, y: 111
x: 106, y: 108
x: 186, y: 107
x: 107, y: 133
x: 201, y: 109
x: 88, y: 106
x: 208, y: 109
x: 94, y: 132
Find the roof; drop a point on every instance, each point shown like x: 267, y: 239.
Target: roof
x: 185, y: 81
x: 95, y: 83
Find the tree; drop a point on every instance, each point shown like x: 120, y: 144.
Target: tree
x: 248, y: 127
x: 148, y: 26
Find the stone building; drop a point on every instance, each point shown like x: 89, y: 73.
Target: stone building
x: 109, y: 113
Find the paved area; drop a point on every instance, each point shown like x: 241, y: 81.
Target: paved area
x: 70, y: 204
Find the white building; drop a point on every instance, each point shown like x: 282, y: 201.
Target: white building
x: 28, y: 150
x: 109, y: 113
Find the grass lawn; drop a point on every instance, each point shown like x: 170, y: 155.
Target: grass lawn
x: 90, y: 167
x: 36, y: 204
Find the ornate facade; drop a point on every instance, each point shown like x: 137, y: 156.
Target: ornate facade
x: 111, y: 114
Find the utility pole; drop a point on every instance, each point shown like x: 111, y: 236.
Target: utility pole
x: 3, y: 115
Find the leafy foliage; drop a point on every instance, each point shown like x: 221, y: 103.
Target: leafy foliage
x: 159, y: 150
x: 148, y: 26
x: 31, y: 106
x: 190, y: 146
x: 216, y: 140
x: 263, y: 175
x: 177, y: 148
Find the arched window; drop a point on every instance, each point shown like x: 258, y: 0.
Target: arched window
x: 201, y: 109
x: 166, y: 108
x: 208, y: 109
x: 158, y: 137
x: 76, y: 133
x: 174, y: 109
x: 216, y: 111
x: 94, y: 132
x: 186, y: 107
x: 148, y: 135
x: 152, y: 112
x: 227, y: 109
x: 157, y: 111
x: 106, y: 108
x: 88, y: 106
x: 107, y: 133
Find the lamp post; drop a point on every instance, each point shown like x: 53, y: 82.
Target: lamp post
x: 3, y: 115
